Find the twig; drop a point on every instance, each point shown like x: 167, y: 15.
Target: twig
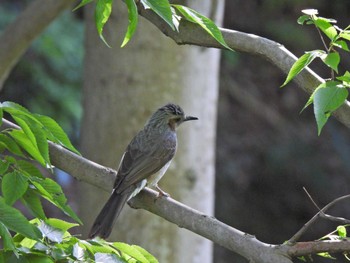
x: 321, y: 212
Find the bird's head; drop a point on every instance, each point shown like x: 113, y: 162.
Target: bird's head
x: 172, y: 115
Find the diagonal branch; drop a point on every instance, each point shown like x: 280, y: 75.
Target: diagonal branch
x: 277, y: 54
x: 183, y: 216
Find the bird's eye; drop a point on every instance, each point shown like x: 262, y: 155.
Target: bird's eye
x: 177, y: 119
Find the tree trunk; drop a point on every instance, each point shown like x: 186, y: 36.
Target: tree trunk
x: 122, y: 88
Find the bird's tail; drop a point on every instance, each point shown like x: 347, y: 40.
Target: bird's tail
x: 104, y: 222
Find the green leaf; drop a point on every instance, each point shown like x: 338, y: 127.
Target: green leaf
x: 133, y: 20
x: 310, y: 12
x: 345, y: 78
x: 32, y: 201
x: 50, y: 232
x: 328, y: 97
x: 28, y: 168
x: 6, y: 237
x: 10, y: 145
x: 4, y: 166
x: 341, y: 231
x: 1, y: 115
x: 13, y: 186
x: 21, y: 138
x: 52, y: 191
x: 15, y: 221
x: 150, y: 258
x: 345, y: 34
x: 35, y: 132
x: 302, y: 63
x: 55, y: 133
x: 162, y: 8
x: 130, y: 251
x: 302, y: 19
x: 25, y: 127
x: 82, y: 3
x: 102, y: 12
x: 326, y: 27
x: 14, y: 108
x: 207, y: 24
x: 60, y: 224
x: 332, y: 60
x: 341, y: 44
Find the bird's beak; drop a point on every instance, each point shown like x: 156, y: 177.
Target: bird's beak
x: 190, y: 118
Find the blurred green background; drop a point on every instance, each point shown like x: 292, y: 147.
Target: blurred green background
x: 266, y: 150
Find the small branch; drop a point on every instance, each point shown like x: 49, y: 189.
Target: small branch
x: 321, y: 212
x: 314, y: 247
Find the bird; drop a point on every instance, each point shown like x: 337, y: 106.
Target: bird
x: 144, y: 162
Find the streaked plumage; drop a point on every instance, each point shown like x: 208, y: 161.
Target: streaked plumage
x: 144, y: 162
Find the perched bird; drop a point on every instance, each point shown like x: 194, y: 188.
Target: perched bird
x: 144, y: 162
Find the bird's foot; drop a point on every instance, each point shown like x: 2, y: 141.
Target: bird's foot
x: 161, y: 193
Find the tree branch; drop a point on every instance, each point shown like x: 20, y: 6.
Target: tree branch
x: 183, y: 216
x: 26, y: 27
x: 321, y: 213
x: 277, y: 54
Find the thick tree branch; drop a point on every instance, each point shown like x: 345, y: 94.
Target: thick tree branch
x: 277, y: 54
x: 183, y: 216
x: 26, y: 27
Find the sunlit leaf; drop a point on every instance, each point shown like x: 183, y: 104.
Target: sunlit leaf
x: 102, y: 12
x: 332, y: 60
x: 341, y: 44
x: 130, y: 251
x: 328, y: 97
x: 310, y: 12
x: 21, y: 138
x: 150, y: 258
x: 55, y: 133
x: 161, y: 8
x: 302, y: 63
x: 50, y: 232
x: 341, y: 231
x: 207, y: 24
x: 133, y: 20
x: 326, y: 27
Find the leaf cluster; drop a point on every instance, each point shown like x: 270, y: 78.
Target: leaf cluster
x: 331, y: 94
x: 43, y: 239
x: 172, y: 14
x: 56, y: 244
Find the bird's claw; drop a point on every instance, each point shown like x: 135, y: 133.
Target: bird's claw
x: 161, y: 193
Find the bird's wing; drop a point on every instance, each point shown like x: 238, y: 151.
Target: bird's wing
x: 141, y: 159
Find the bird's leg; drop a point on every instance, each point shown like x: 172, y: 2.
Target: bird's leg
x: 161, y: 193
